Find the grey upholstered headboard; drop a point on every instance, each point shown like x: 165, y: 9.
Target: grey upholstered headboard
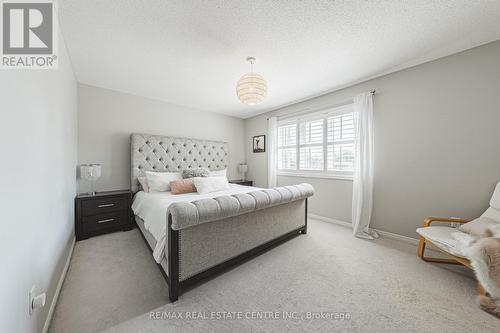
x: 169, y: 154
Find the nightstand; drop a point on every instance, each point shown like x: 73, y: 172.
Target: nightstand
x: 242, y: 182
x: 102, y: 213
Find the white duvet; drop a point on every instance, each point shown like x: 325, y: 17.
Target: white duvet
x: 152, y: 208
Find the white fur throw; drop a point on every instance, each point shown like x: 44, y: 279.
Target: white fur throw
x: 484, y: 255
x: 479, y: 226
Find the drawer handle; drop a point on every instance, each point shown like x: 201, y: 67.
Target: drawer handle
x: 105, y: 221
x: 106, y: 205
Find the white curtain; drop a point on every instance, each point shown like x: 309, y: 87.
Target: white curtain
x: 272, y: 154
x: 362, y: 188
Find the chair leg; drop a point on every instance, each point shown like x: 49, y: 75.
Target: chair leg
x: 421, y: 255
x: 480, y: 289
x: 421, y: 247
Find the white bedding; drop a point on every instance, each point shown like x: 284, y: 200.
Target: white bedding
x: 152, y: 208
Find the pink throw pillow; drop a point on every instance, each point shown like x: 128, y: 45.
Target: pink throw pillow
x: 182, y: 186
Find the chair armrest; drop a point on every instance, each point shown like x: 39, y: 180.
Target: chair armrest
x: 429, y: 220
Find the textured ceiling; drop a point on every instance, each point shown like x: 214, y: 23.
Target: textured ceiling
x: 192, y: 52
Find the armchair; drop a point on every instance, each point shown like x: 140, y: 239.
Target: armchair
x: 455, y: 259
x: 442, y: 236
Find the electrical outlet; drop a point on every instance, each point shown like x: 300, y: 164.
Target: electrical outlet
x: 36, y: 301
x: 30, y: 299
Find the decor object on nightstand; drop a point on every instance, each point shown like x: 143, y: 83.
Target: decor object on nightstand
x: 243, y: 169
x: 242, y: 182
x: 102, y: 212
x: 90, y: 172
x: 259, y: 144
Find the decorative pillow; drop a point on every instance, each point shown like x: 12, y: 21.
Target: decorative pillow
x: 495, y: 198
x: 160, y: 181
x: 210, y: 184
x: 182, y: 186
x: 191, y: 173
x: 218, y: 173
x: 144, y: 183
x: 478, y: 226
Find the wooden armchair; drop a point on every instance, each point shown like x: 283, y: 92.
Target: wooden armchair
x: 454, y: 259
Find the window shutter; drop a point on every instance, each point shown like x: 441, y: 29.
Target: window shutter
x: 323, y: 143
x: 287, y: 151
x: 311, y: 132
x: 311, y: 145
x: 340, y: 151
x: 287, y: 135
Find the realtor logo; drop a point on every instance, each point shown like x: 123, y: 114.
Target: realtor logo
x: 28, y: 35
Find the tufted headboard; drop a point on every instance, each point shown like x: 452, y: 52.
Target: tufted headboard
x: 169, y: 154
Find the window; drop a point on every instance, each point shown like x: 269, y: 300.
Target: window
x: 320, y: 144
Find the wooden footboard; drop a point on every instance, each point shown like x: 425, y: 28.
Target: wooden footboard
x: 237, y: 239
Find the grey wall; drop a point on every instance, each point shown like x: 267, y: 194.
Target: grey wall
x: 38, y: 140
x: 106, y: 119
x: 437, y: 142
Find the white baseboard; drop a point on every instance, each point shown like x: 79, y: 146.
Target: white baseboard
x: 330, y: 220
x: 398, y: 237
x: 382, y: 233
x: 58, y: 289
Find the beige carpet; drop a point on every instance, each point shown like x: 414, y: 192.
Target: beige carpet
x: 380, y: 284
x: 111, y: 278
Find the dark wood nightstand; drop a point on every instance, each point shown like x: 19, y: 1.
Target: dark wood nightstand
x: 242, y: 182
x: 102, y: 213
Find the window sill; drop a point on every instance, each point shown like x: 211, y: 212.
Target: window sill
x: 315, y: 175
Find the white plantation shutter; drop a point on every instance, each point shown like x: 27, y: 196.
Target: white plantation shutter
x: 311, y: 132
x: 287, y: 147
x: 322, y: 143
x: 287, y: 135
x: 340, y: 142
x: 311, y: 145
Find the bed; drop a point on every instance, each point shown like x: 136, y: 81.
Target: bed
x: 194, y: 236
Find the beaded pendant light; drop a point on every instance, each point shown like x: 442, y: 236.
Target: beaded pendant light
x: 251, y: 88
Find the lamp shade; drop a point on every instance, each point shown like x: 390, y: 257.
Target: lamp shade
x: 90, y: 171
x: 251, y: 89
x: 243, y: 168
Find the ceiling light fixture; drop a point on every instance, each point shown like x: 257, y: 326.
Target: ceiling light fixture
x: 251, y: 88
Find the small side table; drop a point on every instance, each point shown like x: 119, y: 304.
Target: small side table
x: 102, y: 213
x: 242, y: 182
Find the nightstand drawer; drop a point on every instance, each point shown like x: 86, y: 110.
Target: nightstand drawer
x: 104, y: 221
x: 104, y: 205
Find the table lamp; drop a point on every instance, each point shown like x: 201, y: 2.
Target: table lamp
x: 243, y: 168
x: 90, y: 172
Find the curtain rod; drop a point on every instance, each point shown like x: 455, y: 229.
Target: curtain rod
x: 305, y: 111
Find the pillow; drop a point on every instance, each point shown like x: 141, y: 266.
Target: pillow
x: 182, y: 186
x: 160, y: 181
x: 191, y: 173
x: 144, y: 183
x: 210, y: 184
x: 478, y: 226
x: 492, y: 213
x: 218, y: 173
x: 495, y: 198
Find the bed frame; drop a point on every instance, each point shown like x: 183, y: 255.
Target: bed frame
x: 262, y: 219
